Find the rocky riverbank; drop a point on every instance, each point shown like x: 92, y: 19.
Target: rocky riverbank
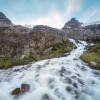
x: 65, y: 78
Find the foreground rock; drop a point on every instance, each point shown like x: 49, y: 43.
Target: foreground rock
x: 19, y: 91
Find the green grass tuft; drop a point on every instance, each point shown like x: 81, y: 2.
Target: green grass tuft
x: 92, y: 55
x: 56, y: 51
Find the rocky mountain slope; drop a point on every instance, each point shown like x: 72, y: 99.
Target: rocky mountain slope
x: 17, y: 41
x: 79, y: 31
x: 41, y: 42
x: 4, y: 20
x: 44, y: 36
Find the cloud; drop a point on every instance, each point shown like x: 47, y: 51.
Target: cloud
x: 72, y: 6
x: 55, y: 19
x: 90, y: 14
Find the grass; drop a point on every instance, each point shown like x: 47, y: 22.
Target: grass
x: 6, y: 63
x: 92, y: 55
x: 56, y: 51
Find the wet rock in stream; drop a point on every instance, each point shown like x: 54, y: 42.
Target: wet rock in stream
x: 45, y: 97
x: 68, y: 89
x: 20, y: 90
x: 68, y: 80
x: 75, y: 85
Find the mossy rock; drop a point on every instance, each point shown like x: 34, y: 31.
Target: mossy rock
x: 16, y: 91
x: 20, y: 90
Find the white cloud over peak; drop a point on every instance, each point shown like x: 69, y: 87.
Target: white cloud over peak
x: 54, y: 19
x: 72, y: 6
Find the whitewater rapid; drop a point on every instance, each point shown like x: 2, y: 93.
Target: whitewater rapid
x: 64, y: 78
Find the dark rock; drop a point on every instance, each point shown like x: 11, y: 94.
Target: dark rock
x: 75, y: 59
x: 83, y: 68
x: 93, y: 82
x: 96, y: 73
x: 68, y: 72
x: 50, y: 81
x: 80, y: 81
x: 19, y: 91
x: 73, y: 77
x: 46, y: 97
x: 16, y: 92
x: 75, y: 85
x: 78, y: 74
x: 51, y: 86
x: 68, y: 89
x: 62, y: 71
x: 68, y: 80
x: 76, y: 94
x: 25, y: 87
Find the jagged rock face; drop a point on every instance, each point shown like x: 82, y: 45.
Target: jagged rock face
x: 74, y: 29
x: 22, y: 29
x: 11, y: 42
x: 44, y: 36
x: 73, y: 23
x: 15, y: 42
x: 4, y: 20
x: 13, y: 38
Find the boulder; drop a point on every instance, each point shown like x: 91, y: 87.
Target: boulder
x: 25, y: 87
x: 16, y: 91
x: 68, y: 89
x: 92, y: 63
x: 20, y: 90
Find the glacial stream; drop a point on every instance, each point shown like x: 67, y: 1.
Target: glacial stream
x: 64, y: 78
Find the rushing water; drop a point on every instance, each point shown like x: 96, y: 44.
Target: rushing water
x: 65, y: 78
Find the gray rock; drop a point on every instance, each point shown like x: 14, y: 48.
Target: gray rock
x: 45, y: 97
x: 68, y: 89
x: 75, y: 85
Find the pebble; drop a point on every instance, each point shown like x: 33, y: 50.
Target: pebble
x: 73, y: 77
x: 68, y: 88
x: 75, y: 85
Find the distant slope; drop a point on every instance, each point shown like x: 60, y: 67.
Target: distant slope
x: 75, y: 29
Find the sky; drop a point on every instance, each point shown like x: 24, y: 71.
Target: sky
x: 54, y: 13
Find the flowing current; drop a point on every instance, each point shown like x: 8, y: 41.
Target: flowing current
x: 64, y: 78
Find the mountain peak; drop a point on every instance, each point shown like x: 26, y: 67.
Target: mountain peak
x: 2, y: 15
x: 4, y: 20
x: 73, y: 23
x: 73, y: 19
